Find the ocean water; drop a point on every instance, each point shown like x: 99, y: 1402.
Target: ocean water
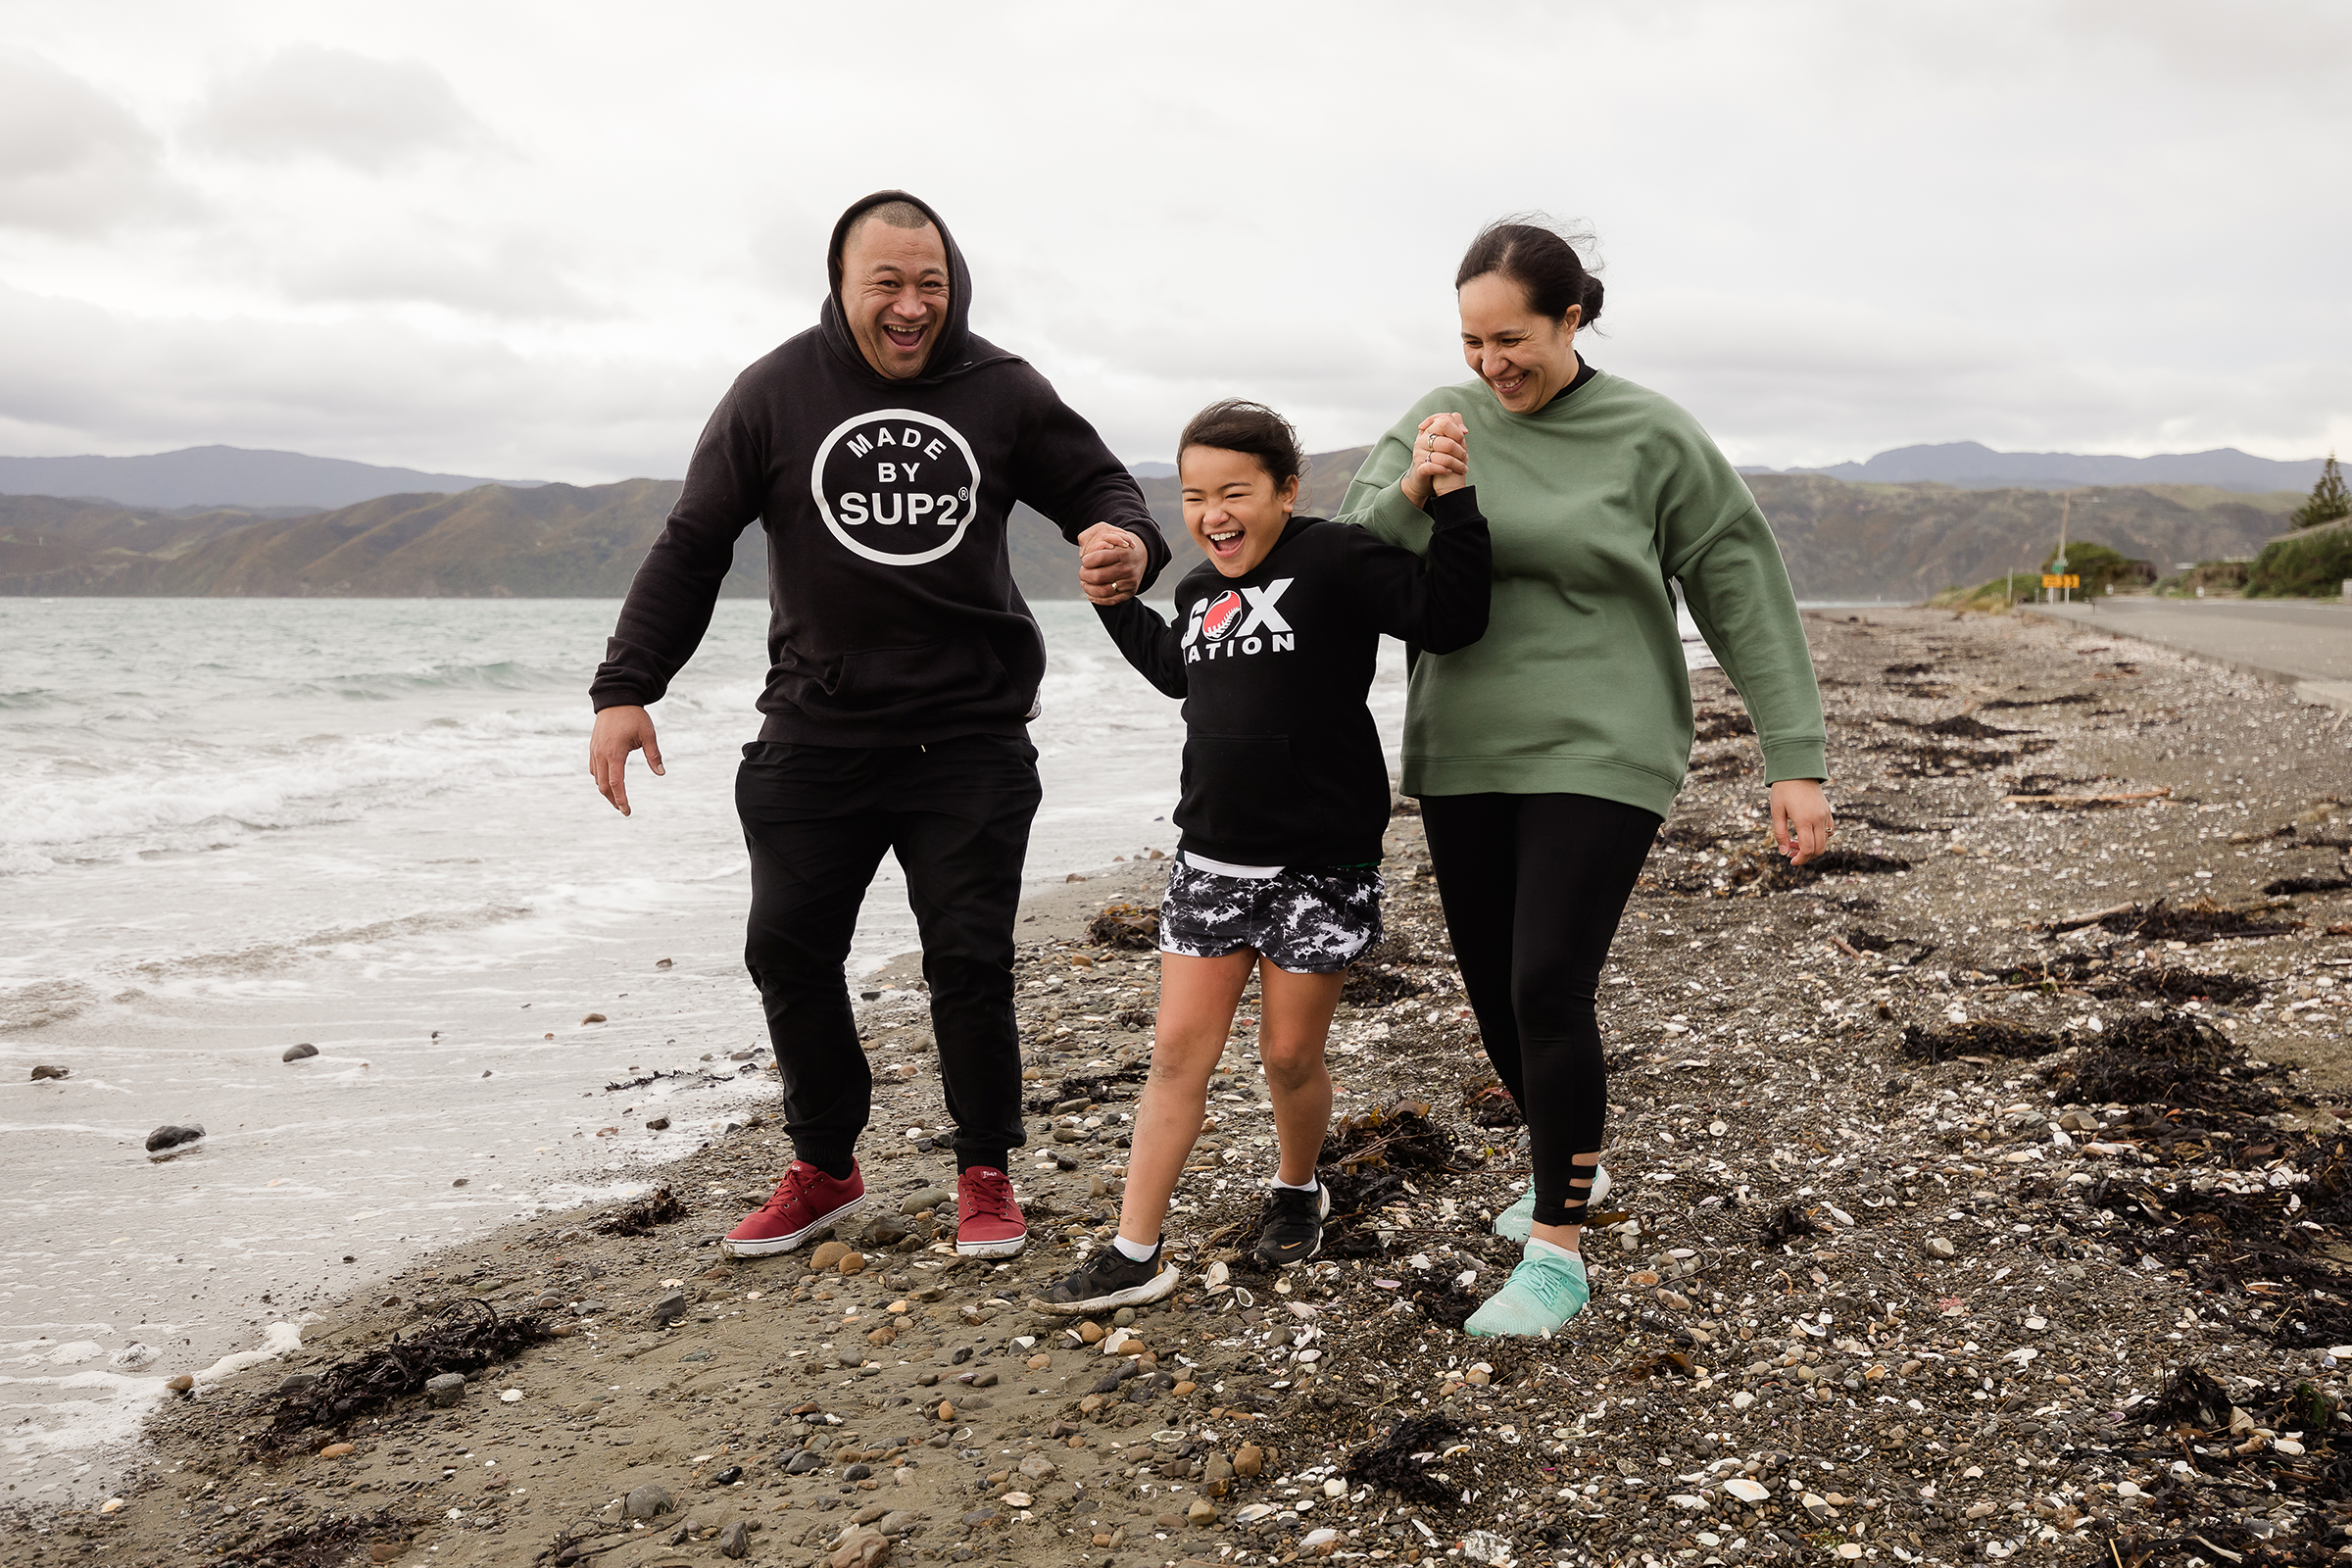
x: 229, y: 826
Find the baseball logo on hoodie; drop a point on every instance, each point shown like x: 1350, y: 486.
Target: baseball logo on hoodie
x: 895, y: 485
x: 1222, y: 616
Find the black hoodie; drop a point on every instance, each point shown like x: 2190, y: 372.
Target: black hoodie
x: 892, y: 614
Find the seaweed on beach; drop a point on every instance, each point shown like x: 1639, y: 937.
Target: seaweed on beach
x: 1399, y: 1458
x: 2308, y: 884
x: 698, y: 1079
x: 325, y: 1542
x: 1491, y: 1104
x: 465, y: 1337
x: 1960, y: 727
x: 1982, y: 1038
x: 1375, y: 980
x: 2200, y: 922
x: 659, y: 1206
x: 1097, y: 1087
x: 1786, y: 1224
x: 2169, y: 1059
x: 1402, y: 1138
x: 1129, y: 927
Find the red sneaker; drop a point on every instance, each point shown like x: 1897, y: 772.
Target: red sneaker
x: 988, y: 1222
x: 806, y: 1203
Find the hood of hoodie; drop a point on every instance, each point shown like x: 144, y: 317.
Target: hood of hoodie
x: 954, y: 351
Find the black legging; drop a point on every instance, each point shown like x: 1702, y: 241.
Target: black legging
x: 1534, y: 886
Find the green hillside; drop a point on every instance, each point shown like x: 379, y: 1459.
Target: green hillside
x: 1900, y: 542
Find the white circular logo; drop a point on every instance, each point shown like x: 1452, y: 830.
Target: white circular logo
x: 896, y: 486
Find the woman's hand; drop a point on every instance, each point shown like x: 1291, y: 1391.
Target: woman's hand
x: 1441, y: 459
x: 1801, y: 824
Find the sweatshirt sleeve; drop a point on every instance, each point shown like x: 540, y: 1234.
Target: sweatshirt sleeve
x: 1714, y: 539
x: 1375, y: 499
x: 1149, y: 644
x: 1063, y: 468
x: 1437, y: 602
x: 669, y: 602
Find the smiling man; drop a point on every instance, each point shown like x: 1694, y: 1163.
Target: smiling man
x: 882, y: 450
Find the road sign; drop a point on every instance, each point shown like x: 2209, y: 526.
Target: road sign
x: 2053, y: 579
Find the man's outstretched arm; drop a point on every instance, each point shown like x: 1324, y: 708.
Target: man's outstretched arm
x: 1065, y: 472
x: 670, y: 599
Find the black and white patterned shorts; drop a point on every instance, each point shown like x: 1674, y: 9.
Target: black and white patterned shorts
x: 1304, y: 920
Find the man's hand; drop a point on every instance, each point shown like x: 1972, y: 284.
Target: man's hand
x: 1441, y: 459
x: 1800, y: 818
x: 619, y: 732
x: 1111, y: 563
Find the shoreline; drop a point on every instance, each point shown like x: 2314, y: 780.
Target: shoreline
x: 1770, y: 1309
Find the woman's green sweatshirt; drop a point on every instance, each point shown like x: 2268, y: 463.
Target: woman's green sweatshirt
x: 1579, y: 686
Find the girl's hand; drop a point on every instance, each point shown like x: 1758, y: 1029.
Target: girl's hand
x: 1441, y: 459
x: 1801, y: 824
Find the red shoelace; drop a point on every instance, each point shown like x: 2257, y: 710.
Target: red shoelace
x: 992, y: 1195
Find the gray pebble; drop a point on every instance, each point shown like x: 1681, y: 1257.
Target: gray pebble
x: 735, y: 1541
x: 446, y: 1390
x: 39, y: 1074
x: 668, y: 1307
x: 295, y: 1383
x: 171, y: 1138
x: 648, y: 1501
x: 801, y: 1464
x: 301, y: 1052
x: 917, y: 1203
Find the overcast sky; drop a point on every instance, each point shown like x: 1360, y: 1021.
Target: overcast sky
x: 538, y: 240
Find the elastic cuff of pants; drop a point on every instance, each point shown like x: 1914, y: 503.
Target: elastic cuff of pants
x: 836, y: 1161
x: 1559, y: 1214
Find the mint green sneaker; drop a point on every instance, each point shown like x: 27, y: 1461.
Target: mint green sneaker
x: 1517, y: 1222
x: 1542, y: 1294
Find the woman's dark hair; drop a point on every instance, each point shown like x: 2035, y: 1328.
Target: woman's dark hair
x: 1235, y: 425
x: 1541, y: 259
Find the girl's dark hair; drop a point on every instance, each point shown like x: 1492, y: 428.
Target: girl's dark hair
x: 1235, y: 425
x: 1526, y: 249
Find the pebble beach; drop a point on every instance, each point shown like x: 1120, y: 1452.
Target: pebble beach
x: 1980, y: 1194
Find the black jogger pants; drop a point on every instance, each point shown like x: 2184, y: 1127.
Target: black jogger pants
x: 817, y: 821
x: 1534, y: 886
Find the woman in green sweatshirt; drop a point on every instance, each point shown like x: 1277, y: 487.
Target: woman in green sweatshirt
x: 1547, y: 755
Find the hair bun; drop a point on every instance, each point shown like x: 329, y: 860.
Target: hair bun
x: 1591, y: 301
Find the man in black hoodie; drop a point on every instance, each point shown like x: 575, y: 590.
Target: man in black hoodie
x: 883, y: 451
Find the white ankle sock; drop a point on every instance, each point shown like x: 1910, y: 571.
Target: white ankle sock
x: 1549, y: 1246
x: 1307, y: 1186
x: 1134, y: 1252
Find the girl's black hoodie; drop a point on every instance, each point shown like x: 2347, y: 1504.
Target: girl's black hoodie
x: 893, y: 615
x: 1281, y: 761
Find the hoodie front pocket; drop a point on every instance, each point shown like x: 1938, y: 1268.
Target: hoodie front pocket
x: 1237, y: 789
x: 955, y: 671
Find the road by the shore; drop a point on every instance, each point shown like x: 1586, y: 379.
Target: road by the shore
x: 2303, y: 644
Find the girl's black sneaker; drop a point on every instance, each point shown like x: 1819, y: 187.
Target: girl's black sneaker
x: 1291, y: 1230
x: 1108, y: 1280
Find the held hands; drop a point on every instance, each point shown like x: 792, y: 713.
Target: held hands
x: 1111, y: 563
x: 1441, y: 459
x: 1800, y: 818
x: 619, y: 732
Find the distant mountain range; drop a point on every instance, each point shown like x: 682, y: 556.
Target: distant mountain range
x: 224, y: 476
x: 1895, y: 541
x: 1971, y: 465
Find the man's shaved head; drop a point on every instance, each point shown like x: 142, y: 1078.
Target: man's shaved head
x: 898, y: 215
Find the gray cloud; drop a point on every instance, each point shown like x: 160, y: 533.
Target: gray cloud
x: 311, y: 101
x: 74, y: 162
x: 504, y: 277
x: 81, y: 378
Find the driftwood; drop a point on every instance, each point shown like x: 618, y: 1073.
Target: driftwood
x: 2075, y: 922
x: 2072, y: 802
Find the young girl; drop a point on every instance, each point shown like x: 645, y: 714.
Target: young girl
x: 1284, y: 800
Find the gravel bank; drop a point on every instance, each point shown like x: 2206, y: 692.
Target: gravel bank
x: 1980, y: 1197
